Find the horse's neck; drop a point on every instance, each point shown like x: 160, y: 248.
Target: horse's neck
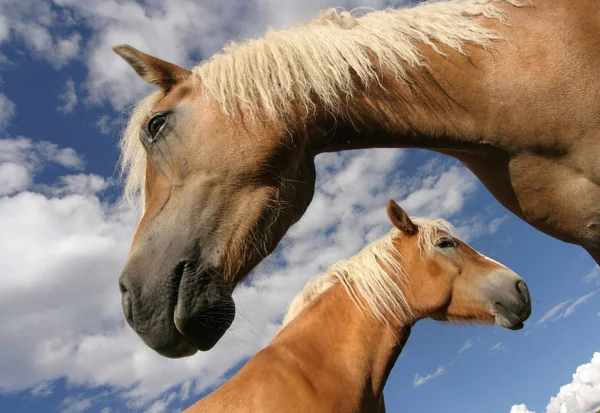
x: 343, y: 350
x: 440, y: 108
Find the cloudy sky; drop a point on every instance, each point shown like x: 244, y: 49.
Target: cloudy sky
x: 64, y: 235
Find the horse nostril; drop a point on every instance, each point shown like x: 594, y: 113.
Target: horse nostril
x: 523, y: 291
x: 126, y: 301
x: 122, y: 287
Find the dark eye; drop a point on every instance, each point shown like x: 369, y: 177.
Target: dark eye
x: 445, y: 243
x: 155, y: 125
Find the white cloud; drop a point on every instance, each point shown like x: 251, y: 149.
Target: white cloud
x: 7, y: 111
x: 45, y: 30
x: 442, y: 196
x: 594, y: 274
x: 82, y: 184
x: 57, y: 51
x: 22, y: 158
x: 75, y: 405
x: 106, y: 125
x: 161, y: 406
x: 13, y: 177
x: 476, y: 225
x: 421, y: 380
x: 67, y: 253
x: 582, y: 395
x: 66, y: 157
x: 581, y: 300
x: 556, y: 313
x: 497, y: 347
x: 42, y: 390
x: 468, y: 344
x: 520, y: 408
x: 68, y: 98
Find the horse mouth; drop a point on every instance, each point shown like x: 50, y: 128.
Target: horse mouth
x: 507, y: 318
x: 204, y: 309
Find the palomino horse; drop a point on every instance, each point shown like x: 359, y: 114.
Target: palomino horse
x: 223, y: 155
x: 345, y: 330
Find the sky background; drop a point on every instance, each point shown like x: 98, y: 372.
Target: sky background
x: 64, y: 235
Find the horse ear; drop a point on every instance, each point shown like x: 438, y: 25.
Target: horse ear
x: 152, y: 69
x: 400, y: 218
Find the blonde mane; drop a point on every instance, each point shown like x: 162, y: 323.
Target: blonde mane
x: 317, y: 63
x: 321, y: 63
x: 375, y: 274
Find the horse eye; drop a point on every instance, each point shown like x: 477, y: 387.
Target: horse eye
x: 155, y: 125
x: 446, y: 243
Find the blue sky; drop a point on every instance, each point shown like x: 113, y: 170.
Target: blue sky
x: 65, y: 236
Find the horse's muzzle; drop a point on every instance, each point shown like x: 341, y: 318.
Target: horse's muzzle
x: 180, y: 313
x: 509, y: 299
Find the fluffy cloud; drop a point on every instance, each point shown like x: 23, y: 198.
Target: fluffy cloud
x: 520, y: 408
x: 60, y: 261
x: 57, y: 51
x: 75, y: 405
x: 13, y: 177
x: 21, y: 159
x: 582, y: 395
x: 45, y: 30
x: 106, y: 124
x: 68, y: 98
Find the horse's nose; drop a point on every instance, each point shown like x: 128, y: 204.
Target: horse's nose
x: 508, y: 297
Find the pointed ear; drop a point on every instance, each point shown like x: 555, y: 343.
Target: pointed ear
x: 152, y: 69
x: 400, y: 219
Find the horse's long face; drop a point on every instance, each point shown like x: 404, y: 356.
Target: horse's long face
x: 453, y: 282
x: 219, y: 195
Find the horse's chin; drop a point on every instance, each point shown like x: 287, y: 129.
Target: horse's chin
x: 506, y: 318
x: 201, y: 337
x: 178, y: 349
x: 204, y: 309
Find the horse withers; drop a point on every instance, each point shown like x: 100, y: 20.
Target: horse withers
x: 345, y: 330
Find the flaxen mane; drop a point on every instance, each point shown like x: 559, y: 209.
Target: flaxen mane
x: 364, y: 275
x: 318, y: 63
